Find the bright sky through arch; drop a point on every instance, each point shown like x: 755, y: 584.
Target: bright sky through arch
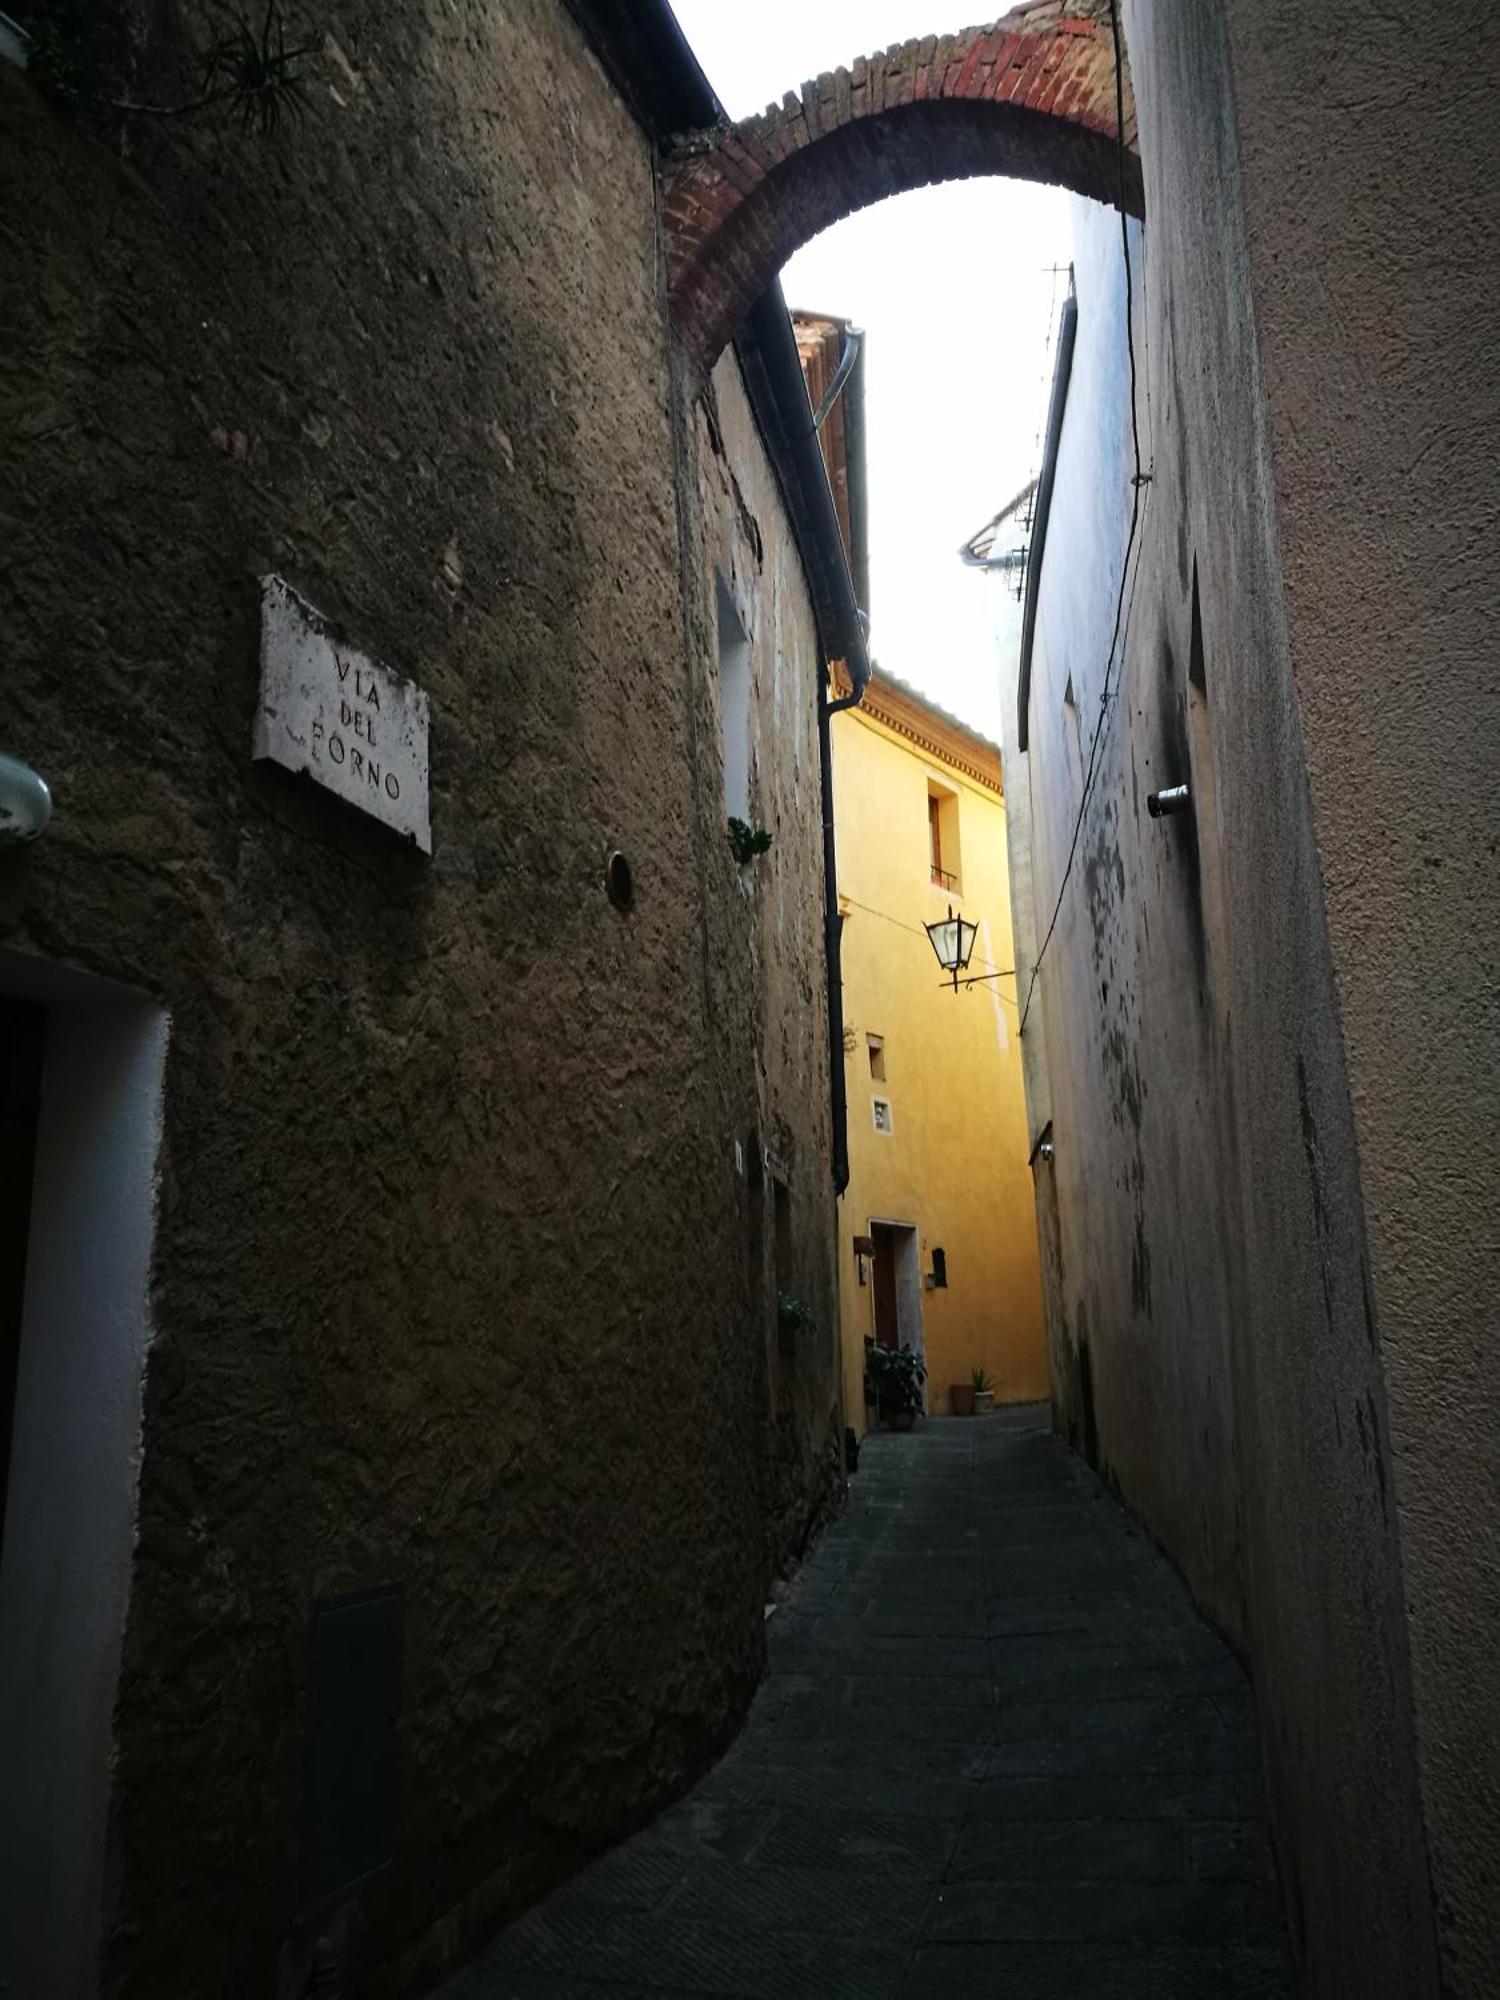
x: 953, y: 287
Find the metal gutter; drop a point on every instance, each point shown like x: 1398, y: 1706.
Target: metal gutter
x: 771, y: 367
x: 859, y: 489
x: 651, y: 63
x: 1061, y: 375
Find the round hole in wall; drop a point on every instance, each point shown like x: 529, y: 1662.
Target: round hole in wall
x: 619, y: 883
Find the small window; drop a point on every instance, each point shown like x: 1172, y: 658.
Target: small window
x: 881, y: 1106
x: 940, y: 1270
x: 942, y: 838
x: 782, y: 1236
x: 876, y: 1045
x: 734, y: 704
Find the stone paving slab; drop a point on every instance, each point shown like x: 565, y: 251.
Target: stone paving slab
x: 997, y: 1754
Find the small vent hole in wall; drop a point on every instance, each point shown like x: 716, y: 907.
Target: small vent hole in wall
x: 619, y: 881
x: 876, y: 1046
x: 881, y: 1108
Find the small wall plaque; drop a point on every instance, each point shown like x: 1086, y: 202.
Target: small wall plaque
x: 342, y: 717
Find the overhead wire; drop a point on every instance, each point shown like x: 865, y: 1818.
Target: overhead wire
x: 1138, y: 481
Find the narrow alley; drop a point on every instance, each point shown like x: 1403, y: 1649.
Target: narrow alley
x: 724, y: 729
x: 997, y: 1752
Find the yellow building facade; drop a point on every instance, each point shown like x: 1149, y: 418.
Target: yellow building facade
x: 937, y: 1231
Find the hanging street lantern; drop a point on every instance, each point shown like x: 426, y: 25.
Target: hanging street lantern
x: 953, y: 941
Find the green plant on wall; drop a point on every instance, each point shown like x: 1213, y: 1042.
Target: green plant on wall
x: 793, y: 1315
x: 250, y: 71
x: 747, y: 841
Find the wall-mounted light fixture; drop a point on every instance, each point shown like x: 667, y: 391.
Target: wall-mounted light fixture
x: 15, y: 43
x: 25, y: 802
x: 864, y: 1248
x: 1171, y: 799
x: 953, y: 941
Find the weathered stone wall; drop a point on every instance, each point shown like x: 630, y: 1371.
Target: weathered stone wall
x: 1266, y: 1379
x: 765, y: 930
x: 454, y: 1286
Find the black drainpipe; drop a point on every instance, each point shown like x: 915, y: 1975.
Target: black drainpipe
x: 833, y: 931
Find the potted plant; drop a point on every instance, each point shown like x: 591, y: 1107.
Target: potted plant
x: 961, y: 1398
x: 893, y: 1383
x: 984, y: 1395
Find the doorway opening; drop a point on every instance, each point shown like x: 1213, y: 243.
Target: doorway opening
x: 82, y: 1085
x: 896, y: 1285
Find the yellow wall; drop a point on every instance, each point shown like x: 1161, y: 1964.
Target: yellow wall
x: 955, y: 1161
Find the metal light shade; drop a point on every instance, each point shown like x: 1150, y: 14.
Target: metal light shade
x: 953, y: 941
x: 25, y: 802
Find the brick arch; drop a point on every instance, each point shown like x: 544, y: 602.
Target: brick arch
x: 1032, y: 95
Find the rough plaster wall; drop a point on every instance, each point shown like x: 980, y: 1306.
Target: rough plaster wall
x: 451, y: 1285
x: 1370, y: 214
x: 1145, y: 1289
x: 1208, y: 1185
x: 768, y: 922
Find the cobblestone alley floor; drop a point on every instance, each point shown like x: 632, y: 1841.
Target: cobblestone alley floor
x: 997, y: 1753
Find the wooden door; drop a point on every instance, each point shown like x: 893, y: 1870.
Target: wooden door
x: 887, y: 1316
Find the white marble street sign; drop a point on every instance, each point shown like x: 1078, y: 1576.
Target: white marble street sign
x: 343, y: 718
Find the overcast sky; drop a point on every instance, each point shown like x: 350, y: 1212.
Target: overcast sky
x: 953, y: 289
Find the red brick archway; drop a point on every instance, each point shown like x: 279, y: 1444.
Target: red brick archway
x: 1032, y: 95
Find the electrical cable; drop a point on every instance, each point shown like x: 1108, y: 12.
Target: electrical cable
x: 1139, y: 480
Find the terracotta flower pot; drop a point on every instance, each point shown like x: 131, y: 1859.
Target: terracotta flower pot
x: 901, y: 1420
x: 961, y: 1398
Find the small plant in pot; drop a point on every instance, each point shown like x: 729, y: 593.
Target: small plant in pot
x: 893, y: 1383
x: 983, y: 1394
